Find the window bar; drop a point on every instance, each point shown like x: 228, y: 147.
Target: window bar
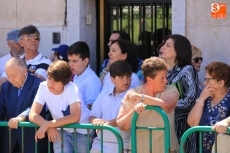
x: 132, y: 23
x: 152, y: 42
x: 129, y: 19
x: 121, y: 16
x: 155, y: 27
x: 117, y: 16
x: 167, y: 17
x: 140, y: 26
x: 163, y: 16
x: 143, y: 18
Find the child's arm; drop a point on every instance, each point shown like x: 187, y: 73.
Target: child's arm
x: 34, y: 114
x: 74, y: 117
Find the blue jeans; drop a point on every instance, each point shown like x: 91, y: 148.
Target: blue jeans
x: 68, y: 143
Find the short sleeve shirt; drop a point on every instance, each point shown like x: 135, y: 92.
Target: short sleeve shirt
x: 89, y: 85
x: 58, y: 104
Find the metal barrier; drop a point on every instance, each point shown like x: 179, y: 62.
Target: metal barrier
x: 199, y: 129
x: 166, y: 130
x: 74, y: 126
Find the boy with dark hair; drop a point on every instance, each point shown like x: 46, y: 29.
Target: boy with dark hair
x: 63, y: 99
x: 85, y: 78
x: 107, y: 105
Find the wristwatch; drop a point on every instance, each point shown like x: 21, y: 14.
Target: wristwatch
x: 142, y: 98
x: 23, y: 117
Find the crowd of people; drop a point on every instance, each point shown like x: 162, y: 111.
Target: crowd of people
x: 64, y: 89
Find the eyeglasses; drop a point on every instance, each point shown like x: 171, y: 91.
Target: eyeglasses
x: 208, y: 79
x: 30, y: 37
x: 197, y: 59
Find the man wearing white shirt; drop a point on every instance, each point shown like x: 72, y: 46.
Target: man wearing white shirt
x: 15, y: 49
x: 29, y: 38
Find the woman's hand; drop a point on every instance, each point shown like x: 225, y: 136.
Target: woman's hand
x: 133, y: 97
x: 220, y: 127
x: 139, y: 108
x: 208, y: 91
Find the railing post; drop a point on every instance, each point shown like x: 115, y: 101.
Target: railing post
x: 166, y: 129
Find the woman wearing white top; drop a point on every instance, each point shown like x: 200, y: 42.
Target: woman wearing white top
x: 121, y: 50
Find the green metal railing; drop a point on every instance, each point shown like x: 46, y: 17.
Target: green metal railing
x: 74, y: 126
x: 200, y: 130
x: 166, y: 130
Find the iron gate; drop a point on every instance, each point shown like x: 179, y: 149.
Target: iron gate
x: 146, y: 21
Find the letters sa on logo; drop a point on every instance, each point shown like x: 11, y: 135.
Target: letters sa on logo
x: 218, y: 10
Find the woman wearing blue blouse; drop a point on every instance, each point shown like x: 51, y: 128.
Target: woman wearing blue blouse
x: 213, y: 104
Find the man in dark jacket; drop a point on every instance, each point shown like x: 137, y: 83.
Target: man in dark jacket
x: 16, y: 98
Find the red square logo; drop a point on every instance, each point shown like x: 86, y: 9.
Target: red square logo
x: 218, y: 10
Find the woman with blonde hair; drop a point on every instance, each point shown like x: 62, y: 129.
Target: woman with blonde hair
x: 153, y: 92
x: 196, y: 62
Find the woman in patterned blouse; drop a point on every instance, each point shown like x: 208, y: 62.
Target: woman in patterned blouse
x: 213, y: 104
x: 178, y: 54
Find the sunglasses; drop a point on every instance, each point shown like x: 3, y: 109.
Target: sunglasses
x: 30, y: 37
x: 197, y: 59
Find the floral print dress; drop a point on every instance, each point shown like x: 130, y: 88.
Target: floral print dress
x: 212, y: 115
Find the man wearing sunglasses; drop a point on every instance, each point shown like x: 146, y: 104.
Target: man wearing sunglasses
x: 29, y: 38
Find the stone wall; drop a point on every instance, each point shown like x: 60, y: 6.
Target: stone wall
x: 210, y: 35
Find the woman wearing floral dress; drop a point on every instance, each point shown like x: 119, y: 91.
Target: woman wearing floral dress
x: 213, y: 104
x: 178, y: 54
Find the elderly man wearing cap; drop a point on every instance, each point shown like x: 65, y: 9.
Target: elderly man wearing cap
x: 15, y: 49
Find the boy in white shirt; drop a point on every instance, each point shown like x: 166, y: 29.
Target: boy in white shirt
x: 63, y: 99
x: 106, y: 107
